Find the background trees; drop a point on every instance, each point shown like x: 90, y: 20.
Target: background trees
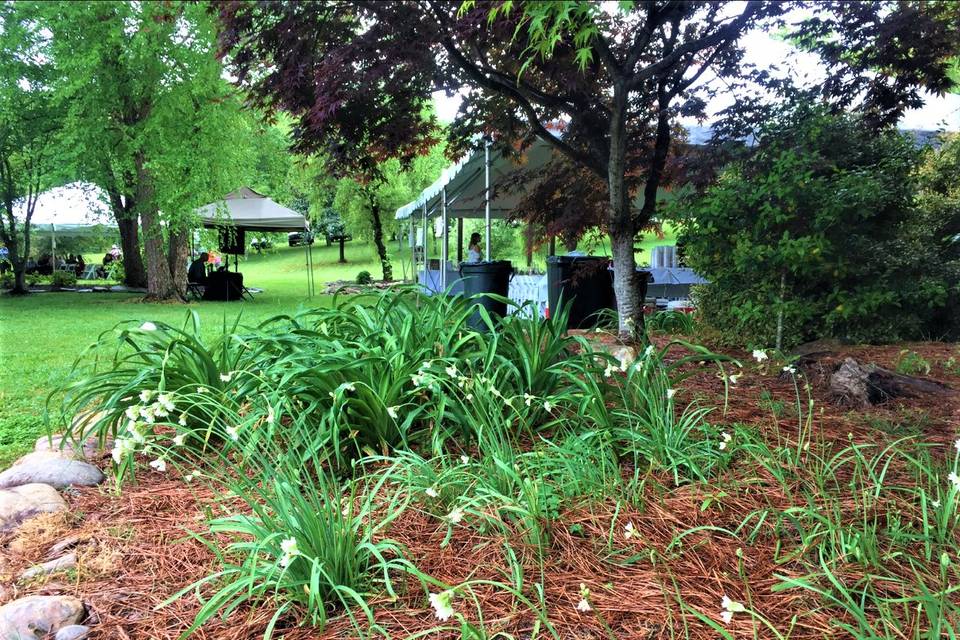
x: 29, y: 128
x: 149, y: 120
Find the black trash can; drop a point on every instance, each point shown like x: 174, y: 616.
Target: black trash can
x: 486, y: 277
x: 586, y: 285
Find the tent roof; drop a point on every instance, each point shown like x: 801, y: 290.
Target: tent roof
x: 464, y: 182
x: 247, y: 209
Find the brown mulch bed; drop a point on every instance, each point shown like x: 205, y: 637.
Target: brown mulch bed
x: 135, y: 550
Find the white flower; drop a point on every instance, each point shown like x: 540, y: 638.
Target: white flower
x: 122, y: 447
x: 441, y: 604
x: 451, y: 371
x: 730, y: 607
x: 165, y: 400
x: 726, y: 436
x: 136, y: 435
x: 608, y: 371
x: 455, y: 516
x: 178, y: 439
x: 201, y: 389
x: 183, y: 420
x: 132, y: 412
x: 145, y: 395
x: 190, y: 476
x: 233, y: 433
x: 790, y: 369
x: 733, y: 379
x: 432, y: 492
x: 935, y: 504
x: 547, y: 406
x: 270, y: 415
x: 496, y: 392
x: 760, y: 355
x: 584, y: 604
x: 629, y: 531
x: 392, y: 412
x: 723, y: 445
x: 648, y: 351
x: 148, y: 326
x: 159, y: 410
x: 148, y: 415
x: 226, y: 377
x: 348, y: 386
x: 159, y: 465
x: 954, y: 479
x: 956, y: 445
x: 624, y: 365
x: 469, y: 397
x: 671, y: 393
x: 465, y: 459
x: 289, y: 548
x: 527, y: 399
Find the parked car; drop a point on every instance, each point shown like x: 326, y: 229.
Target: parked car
x: 299, y: 238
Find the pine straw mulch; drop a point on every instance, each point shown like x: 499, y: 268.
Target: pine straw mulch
x: 134, y: 550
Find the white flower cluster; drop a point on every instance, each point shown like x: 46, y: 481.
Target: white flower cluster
x: 288, y: 547
x: 726, y: 438
x: 584, y: 603
x: 441, y: 604
x: 730, y: 607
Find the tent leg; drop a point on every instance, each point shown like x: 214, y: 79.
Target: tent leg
x: 486, y: 200
x: 459, y: 240
x: 445, y: 248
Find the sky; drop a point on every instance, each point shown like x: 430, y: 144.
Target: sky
x: 72, y: 205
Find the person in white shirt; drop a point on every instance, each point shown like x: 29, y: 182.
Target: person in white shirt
x: 473, y: 249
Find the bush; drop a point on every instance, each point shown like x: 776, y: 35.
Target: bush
x: 61, y: 279
x: 115, y: 271
x: 817, y: 229
x: 7, y: 280
x: 364, y: 277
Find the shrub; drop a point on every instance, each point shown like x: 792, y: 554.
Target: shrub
x: 364, y: 277
x: 115, y: 271
x: 817, y: 229
x: 63, y: 279
x: 7, y: 280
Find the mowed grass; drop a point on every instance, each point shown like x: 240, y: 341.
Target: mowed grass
x: 41, y: 335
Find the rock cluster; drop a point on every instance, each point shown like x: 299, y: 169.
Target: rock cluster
x: 30, y: 488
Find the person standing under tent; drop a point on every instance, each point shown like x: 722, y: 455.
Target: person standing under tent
x: 473, y: 248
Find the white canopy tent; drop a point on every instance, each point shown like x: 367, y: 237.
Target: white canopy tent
x: 247, y: 209
x: 466, y: 190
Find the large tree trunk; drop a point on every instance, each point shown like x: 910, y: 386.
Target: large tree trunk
x: 177, y: 253
x: 134, y: 273
x: 378, y: 238
x: 622, y: 233
x: 160, y: 283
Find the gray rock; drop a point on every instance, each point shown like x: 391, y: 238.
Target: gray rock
x: 52, y: 468
x: 91, y: 449
x: 62, y: 563
x: 28, y: 500
x: 73, y: 632
x: 34, y: 617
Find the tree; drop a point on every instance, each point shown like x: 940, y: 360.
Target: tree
x: 148, y: 119
x: 816, y: 233
x: 29, y: 125
x: 357, y: 75
x: 364, y: 205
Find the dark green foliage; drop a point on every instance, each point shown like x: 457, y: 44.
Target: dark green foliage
x: 364, y: 277
x: 819, y: 222
x: 63, y: 279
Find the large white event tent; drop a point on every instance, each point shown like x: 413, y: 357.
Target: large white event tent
x: 466, y: 190
x: 248, y: 210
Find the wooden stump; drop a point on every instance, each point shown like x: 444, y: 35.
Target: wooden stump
x: 859, y: 385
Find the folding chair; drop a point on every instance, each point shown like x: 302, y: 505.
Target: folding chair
x: 195, y: 290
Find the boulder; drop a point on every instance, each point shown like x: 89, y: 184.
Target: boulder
x: 91, y: 449
x: 52, y: 468
x: 73, y: 632
x: 68, y: 561
x: 26, y: 501
x: 35, y: 617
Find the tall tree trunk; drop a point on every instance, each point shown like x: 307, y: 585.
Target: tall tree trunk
x: 177, y: 252
x: 134, y: 273
x: 378, y: 237
x: 160, y: 283
x: 623, y: 231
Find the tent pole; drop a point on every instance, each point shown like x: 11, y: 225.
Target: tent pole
x: 425, y: 272
x: 486, y: 197
x: 459, y: 240
x: 445, y: 249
